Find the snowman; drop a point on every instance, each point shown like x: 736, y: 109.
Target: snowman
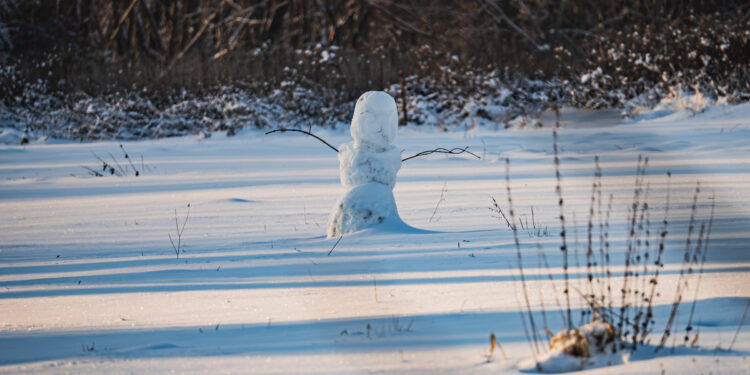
x: 368, y: 167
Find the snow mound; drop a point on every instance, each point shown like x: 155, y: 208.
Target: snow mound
x: 591, y: 345
x: 360, y: 207
x: 679, y: 102
x: 10, y: 136
x: 375, y: 121
x: 359, y: 166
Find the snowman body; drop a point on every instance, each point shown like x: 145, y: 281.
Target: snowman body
x: 368, y: 166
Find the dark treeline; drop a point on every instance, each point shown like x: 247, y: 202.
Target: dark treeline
x: 97, y: 46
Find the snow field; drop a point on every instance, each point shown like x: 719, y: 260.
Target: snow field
x: 255, y: 290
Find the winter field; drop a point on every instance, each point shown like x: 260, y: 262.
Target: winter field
x: 90, y: 283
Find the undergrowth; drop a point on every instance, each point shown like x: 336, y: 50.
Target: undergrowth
x: 616, y: 307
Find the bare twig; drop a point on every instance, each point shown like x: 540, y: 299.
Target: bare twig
x: 122, y: 170
x: 632, y: 243
x: 564, y: 246
x: 496, y: 208
x: 590, y: 230
x: 129, y: 160
x: 106, y: 166
x: 685, y: 265
x: 206, y: 24
x: 442, y: 199
x: 122, y: 20
x: 524, y: 287
x: 658, y: 264
x: 399, y: 20
x: 283, y: 130
x: 700, y: 271
x: 543, y: 258
x: 739, y: 326
x: 441, y: 150
x: 178, y: 248
x: 334, y: 245
x: 507, y: 20
x: 93, y: 172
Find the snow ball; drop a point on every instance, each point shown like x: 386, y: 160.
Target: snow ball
x: 375, y: 120
x: 361, y: 207
x: 359, y: 166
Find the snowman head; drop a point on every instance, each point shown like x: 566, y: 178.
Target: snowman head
x: 375, y: 121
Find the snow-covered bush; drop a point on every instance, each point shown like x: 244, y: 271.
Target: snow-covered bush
x: 689, y: 62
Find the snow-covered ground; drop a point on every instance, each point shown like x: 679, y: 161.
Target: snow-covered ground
x: 90, y: 283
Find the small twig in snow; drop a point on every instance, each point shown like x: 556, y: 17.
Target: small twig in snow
x: 178, y: 248
x: 334, y: 245
x: 442, y: 199
x: 129, y: 160
x: 93, y: 172
x: 739, y: 326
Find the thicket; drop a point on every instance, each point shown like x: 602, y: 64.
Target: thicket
x: 527, y: 53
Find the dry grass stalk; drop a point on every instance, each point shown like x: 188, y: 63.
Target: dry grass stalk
x: 682, y: 282
x: 700, y: 274
x: 519, y: 258
x: 626, y: 290
x: 178, y: 248
x: 653, y: 281
x: 442, y: 199
x: 495, y: 344
x: 564, y: 246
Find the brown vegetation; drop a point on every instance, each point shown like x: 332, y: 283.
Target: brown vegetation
x: 101, y: 45
x: 129, y: 69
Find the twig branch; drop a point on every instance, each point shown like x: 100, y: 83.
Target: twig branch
x: 206, y: 25
x: 442, y: 199
x: 178, y: 248
x: 739, y: 326
x: 93, y: 172
x: 334, y: 245
x: 129, y: 160
x: 508, y: 20
x: 282, y: 130
x: 399, y: 20
x: 441, y: 150
x: 122, y: 20
x: 700, y: 270
x: 122, y: 170
x: 564, y: 246
x: 524, y: 287
x: 496, y: 208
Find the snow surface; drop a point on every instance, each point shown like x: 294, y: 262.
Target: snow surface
x: 89, y: 283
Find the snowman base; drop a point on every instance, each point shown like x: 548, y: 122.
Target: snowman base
x: 360, y: 207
